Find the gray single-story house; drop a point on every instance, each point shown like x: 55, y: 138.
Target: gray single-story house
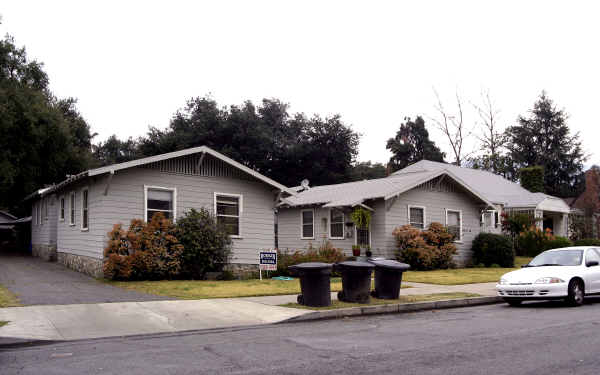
x: 70, y: 220
x: 465, y: 200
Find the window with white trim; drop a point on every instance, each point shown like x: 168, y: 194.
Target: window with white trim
x: 487, y: 219
x: 308, y: 224
x: 454, y: 223
x: 62, y: 209
x: 162, y: 200
x: 416, y: 216
x: 336, y: 224
x: 45, y: 209
x: 229, y: 209
x: 84, y: 210
x: 72, y: 209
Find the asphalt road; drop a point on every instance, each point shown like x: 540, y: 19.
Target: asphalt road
x: 540, y: 338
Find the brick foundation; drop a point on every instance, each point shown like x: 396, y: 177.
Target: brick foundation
x: 46, y: 252
x: 83, y: 264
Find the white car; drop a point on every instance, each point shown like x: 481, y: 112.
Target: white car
x: 567, y: 273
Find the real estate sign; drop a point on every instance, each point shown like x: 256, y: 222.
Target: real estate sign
x: 268, y: 260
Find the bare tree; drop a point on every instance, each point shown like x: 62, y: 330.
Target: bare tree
x: 492, y: 138
x: 453, y: 127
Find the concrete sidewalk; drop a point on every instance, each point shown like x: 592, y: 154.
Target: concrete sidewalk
x: 85, y: 321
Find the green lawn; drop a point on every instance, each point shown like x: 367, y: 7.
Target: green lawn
x: 374, y: 301
x: 3, y: 323
x: 200, y: 289
x: 459, y: 276
x: 7, y: 299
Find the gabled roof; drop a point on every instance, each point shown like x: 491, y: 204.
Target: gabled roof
x: 495, y: 188
x: 355, y: 193
x: 171, y: 155
x: 7, y: 215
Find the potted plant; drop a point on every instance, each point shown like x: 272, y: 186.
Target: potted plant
x: 368, y: 253
x: 356, y: 250
x: 361, y: 218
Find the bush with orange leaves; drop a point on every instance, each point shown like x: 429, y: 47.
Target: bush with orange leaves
x: 425, y: 249
x: 146, y: 251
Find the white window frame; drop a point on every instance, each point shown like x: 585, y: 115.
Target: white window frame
x: 493, y: 223
x: 87, y: 190
x: 424, y: 215
x: 150, y: 187
x: 62, y: 208
x: 72, y: 209
x: 460, y: 218
x: 240, y: 212
x: 38, y: 214
x: 302, y: 224
x: 44, y: 210
x: 331, y: 223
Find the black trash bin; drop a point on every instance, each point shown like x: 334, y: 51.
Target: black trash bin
x: 315, y: 283
x: 356, y: 281
x: 388, y: 277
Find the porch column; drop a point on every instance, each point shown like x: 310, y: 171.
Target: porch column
x: 539, y: 216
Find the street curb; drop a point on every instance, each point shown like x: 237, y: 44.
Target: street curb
x: 394, y: 308
x: 14, y: 342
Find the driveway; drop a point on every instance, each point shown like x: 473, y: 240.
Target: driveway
x: 37, y: 282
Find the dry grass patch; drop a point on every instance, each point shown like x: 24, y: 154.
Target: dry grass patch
x: 3, y: 323
x: 374, y: 301
x: 201, y: 289
x: 460, y: 276
x: 8, y: 299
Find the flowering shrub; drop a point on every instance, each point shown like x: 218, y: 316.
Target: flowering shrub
x: 325, y: 254
x: 146, y: 251
x: 425, y: 249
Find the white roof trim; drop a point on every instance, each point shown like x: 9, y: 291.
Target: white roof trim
x: 436, y: 174
x: 170, y: 155
x: 553, y: 204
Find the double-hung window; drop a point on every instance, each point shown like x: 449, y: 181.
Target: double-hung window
x: 308, y: 224
x: 84, y: 210
x: 454, y: 223
x: 72, y: 209
x: 229, y: 211
x: 416, y: 216
x: 161, y: 200
x: 336, y: 224
x: 62, y: 209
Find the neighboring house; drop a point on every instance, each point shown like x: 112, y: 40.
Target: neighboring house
x: 465, y: 200
x: 588, y: 203
x: 6, y: 226
x: 70, y: 220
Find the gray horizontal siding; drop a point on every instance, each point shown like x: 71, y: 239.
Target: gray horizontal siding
x: 125, y: 201
x: 44, y: 233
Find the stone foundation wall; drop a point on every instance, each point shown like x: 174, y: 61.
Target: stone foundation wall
x: 83, y: 264
x: 242, y: 271
x: 46, y: 252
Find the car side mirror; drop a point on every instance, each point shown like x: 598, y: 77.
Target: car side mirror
x: 591, y: 263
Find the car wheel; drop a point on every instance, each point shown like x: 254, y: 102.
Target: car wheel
x: 576, y: 293
x: 513, y: 302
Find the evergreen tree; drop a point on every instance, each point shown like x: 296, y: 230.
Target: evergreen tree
x: 412, y: 144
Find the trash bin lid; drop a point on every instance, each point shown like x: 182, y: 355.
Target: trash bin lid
x: 311, y: 266
x: 390, y: 264
x: 355, y: 264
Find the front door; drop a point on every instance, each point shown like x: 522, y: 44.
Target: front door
x: 363, y: 237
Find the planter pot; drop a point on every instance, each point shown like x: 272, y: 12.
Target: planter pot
x: 369, y: 254
x: 356, y: 252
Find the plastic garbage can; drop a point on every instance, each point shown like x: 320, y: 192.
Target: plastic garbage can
x: 314, y: 283
x: 388, y: 278
x: 356, y: 281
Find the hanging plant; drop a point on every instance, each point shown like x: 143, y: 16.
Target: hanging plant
x: 361, y: 218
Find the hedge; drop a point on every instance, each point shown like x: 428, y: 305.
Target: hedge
x: 490, y: 248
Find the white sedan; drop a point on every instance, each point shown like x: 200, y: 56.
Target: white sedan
x: 567, y: 273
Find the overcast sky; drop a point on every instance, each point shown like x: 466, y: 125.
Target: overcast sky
x: 133, y: 64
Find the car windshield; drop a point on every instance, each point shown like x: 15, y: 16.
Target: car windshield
x: 557, y: 258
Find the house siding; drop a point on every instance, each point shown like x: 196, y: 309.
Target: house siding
x: 125, y: 201
x: 436, y: 202
x: 44, y: 233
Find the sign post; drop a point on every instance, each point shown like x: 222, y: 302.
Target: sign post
x: 267, y: 260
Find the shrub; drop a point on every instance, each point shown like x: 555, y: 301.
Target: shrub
x: 425, y: 250
x: 147, y: 251
x: 490, y: 249
x: 206, y: 245
x: 587, y: 242
x: 532, y: 241
x: 326, y: 254
x: 557, y: 243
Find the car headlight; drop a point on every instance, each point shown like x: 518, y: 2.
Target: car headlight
x: 503, y: 282
x: 549, y: 280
